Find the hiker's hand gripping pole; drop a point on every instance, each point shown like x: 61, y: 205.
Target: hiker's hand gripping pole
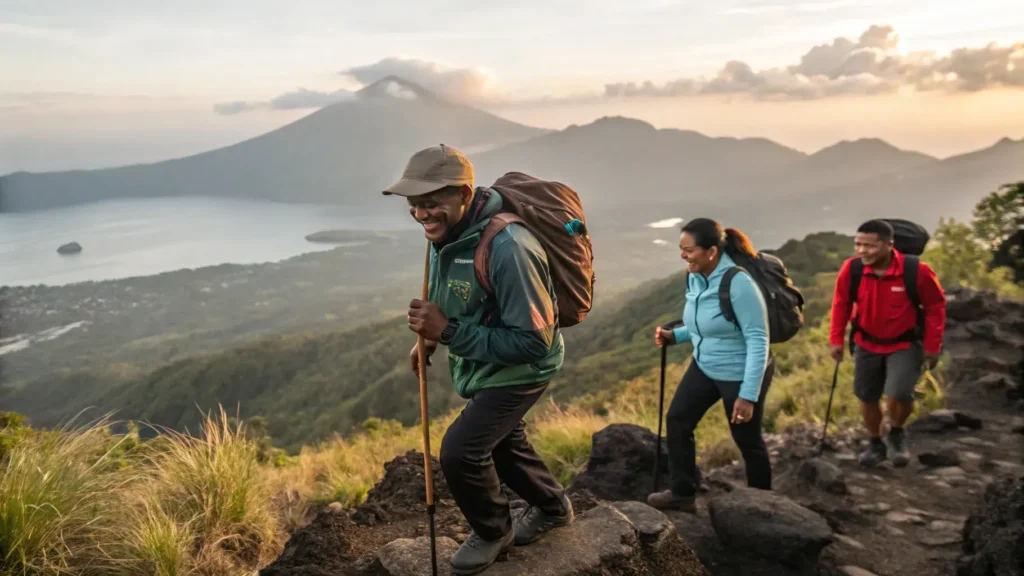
x: 425, y: 418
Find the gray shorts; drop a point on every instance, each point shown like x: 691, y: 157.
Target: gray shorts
x: 896, y: 374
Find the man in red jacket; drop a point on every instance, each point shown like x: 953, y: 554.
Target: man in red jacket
x: 893, y: 337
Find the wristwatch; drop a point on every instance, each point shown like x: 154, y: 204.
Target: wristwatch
x: 449, y: 331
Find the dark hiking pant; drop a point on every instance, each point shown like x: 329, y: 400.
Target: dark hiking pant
x: 694, y: 396
x: 485, y: 446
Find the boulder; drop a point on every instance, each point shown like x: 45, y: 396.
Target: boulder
x: 994, y: 381
x: 621, y: 464
x: 967, y: 305
x: 322, y: 548
x: 940, y: 458
x: 401, y: 491
x: 69, y: 248
x: 663, y: 550
x: 823, y: 475
x: 994, y: 535
x: 984, y: 330
x: 855, y: 571
x: 938, y: 421
x: 623, y: 539
x: 769, y: 525
x: 411, y: 557
x: 1017, y: 425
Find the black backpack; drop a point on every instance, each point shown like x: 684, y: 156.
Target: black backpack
x: 910, y: 240
x: 784, y: 301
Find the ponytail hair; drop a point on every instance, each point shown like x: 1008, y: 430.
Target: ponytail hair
x: 708, y: 233
x: 737, y: 244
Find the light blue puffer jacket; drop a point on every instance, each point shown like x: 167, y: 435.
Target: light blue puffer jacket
x: 720, y: 349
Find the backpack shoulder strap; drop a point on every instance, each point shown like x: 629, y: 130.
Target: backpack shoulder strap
x: 911, y: 267
x: 724, y: 300
x: 856, y: 273
x: 482, y: 256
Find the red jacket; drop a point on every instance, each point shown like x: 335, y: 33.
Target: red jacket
x: 885, y: 311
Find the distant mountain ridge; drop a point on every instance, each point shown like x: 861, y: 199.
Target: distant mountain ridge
x: 627, y: 172
x: 339, y: 154
x: 932, y: 190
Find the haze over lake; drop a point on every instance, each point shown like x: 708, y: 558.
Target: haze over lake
x: 122, y: 238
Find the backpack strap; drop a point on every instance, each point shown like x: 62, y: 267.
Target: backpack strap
x: 724, y: 300
x: 856, y: 273
x: 911, y: 267
x: 482, y: 256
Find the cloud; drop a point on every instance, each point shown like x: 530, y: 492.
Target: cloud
x: 869, y: 65
x: 229, y: 108
x: 303, y: 98
x: 457, y: 84
x: 297, y: 100
x: 872, y: 64
x: 461, y: 84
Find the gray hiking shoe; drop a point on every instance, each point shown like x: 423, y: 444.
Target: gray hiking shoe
x: 668, y: 500
x: 476, y: 554
x: 533, y: 522
x: 875, y: 453
x: 897, y: 445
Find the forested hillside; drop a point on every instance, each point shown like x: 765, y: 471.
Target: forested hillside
x: 310, y: 386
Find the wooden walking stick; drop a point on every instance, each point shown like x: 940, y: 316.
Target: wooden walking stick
x: 424, y: 416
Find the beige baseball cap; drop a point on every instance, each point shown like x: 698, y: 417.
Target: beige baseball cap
x: 431, y: 169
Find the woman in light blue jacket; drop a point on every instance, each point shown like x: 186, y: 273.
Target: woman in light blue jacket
x: 731, y: 361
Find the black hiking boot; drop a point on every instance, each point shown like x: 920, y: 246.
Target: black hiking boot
x: 668, y: 500
x: 897, y: 445
x: 875, y: 453
x: 476, y: 554
x: 533, y: 522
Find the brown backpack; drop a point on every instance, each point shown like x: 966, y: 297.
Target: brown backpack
x: 553, y: 212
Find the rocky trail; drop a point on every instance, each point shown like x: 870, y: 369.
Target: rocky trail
x: 956, y: 510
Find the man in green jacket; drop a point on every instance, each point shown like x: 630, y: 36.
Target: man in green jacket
x: 503, y: 351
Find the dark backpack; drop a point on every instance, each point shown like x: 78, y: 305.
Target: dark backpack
x: 910, y: 240
x: 784, y: 301
x: 553, y: 212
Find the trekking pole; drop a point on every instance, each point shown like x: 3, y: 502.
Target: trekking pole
x: 828, y: 411
x: 661, y: 410
x: 428, y: 472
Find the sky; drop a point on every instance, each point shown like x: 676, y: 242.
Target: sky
x: 92, y: 83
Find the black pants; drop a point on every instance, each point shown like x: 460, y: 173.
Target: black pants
x: 485, y: 446
x: 694, y: 396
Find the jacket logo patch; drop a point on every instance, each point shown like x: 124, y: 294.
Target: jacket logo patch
x: 460, y: 288
x: 463, y: 261
x: 898, y: 289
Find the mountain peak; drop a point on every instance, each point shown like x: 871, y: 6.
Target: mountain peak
x: 866, y: 147
x: 396, y: 87
x: 860, y: 144
x: 614, y: 123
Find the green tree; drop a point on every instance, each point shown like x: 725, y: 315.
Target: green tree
x: 12, y: 430
x: 959, y: 258
x: 1000, y: 214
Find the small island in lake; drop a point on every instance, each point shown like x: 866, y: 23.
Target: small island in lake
x: 70, y: 248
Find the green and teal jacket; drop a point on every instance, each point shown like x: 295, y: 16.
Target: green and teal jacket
x: 512, y: 337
